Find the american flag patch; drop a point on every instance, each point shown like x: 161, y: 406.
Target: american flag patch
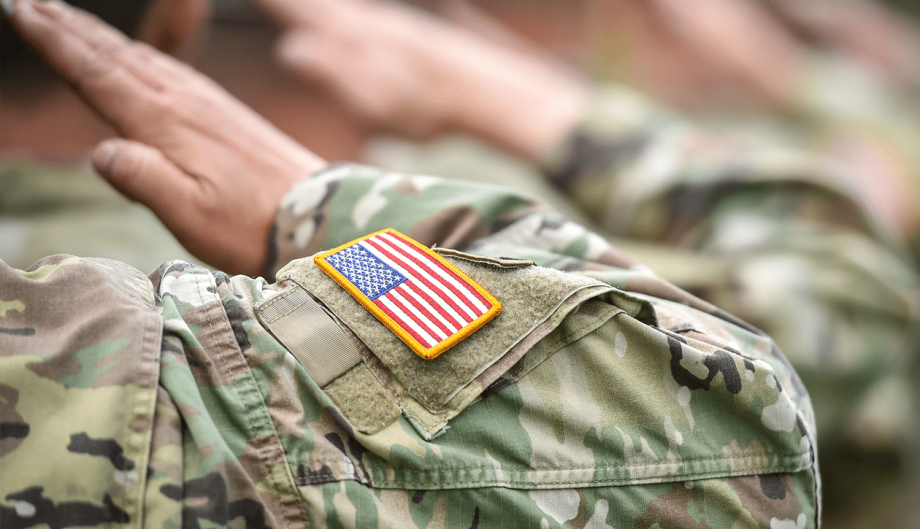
x: 425, y: 300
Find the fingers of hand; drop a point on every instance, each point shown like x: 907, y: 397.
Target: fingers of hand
x: 146, y: 95
x: 85, y: 52
x: 121, y: 79
x: 298, y: 12
x: 76, y: 43
x: 142, y: 173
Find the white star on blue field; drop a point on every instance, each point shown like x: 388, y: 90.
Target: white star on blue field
x: 364, y: 270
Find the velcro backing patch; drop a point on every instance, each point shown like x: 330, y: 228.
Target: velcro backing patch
x: 429, y: 303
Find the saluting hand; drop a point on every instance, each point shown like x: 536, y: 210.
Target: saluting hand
x: 209, y: 167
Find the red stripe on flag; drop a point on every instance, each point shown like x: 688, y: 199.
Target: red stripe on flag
x: 402, y: 324
x: 417, y: 277
x: 431, y: 320
x: 431, y: 262
x: 406, y: 307
x: 434, y: 304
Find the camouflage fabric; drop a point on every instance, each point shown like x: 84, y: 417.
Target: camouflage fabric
x: 46, y: 209
x: 843, y: 110
x: 168, y: 401
x: 780, y: 238
x: 839, y: 102
x: 772, y: 234
x: 842, y: 103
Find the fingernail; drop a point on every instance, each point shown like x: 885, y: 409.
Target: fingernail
x: 8, y: 7
x: 103, y: 156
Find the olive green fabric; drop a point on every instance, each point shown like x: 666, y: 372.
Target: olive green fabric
x: 305, y: 329
x: 362, y: 400
x: 748, y: 219
x: 163, y: 401
x: 528, y: 296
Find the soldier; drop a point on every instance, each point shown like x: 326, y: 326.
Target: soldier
x: 603, y: 398
x: 773, y: 233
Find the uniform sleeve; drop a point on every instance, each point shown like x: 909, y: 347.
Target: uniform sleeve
x: 609, y: 409
x: 348, y: 201
x: 775, y: 236
x: 79, y: 349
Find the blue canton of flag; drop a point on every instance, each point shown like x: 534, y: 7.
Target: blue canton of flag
x: 365, y: 271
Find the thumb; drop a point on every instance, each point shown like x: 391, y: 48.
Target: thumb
x: 144, y: 174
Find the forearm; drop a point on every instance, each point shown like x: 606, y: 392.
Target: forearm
x: 644, y: 172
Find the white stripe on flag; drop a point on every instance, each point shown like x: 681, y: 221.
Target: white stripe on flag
x: 406, y: 321
x: 430, y: 326
x: 409, y: 277
x: 421, y: 302
x: 463, y: 287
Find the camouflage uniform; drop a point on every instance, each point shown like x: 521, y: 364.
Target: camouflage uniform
x: 783, y: 240
x: 773, y: 235
x: 601, y: 397
x: 839, y: 102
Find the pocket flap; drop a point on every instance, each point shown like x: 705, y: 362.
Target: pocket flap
x: 535, y: 302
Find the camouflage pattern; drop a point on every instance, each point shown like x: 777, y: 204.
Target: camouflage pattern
x: 46, y: 209
x: 782, y: 239
x: 838, y: 102
x: 845, y: 111
x: 774, y: 235
x: 163, y: 402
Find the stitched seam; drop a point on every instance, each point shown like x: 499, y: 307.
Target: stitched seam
x: 281, y: 296
x: 264, y: 451
x: 622, y: 481
x: 625, y: 465
x: 732, y: 471
x: 272, y: 450
x: 150, y: 335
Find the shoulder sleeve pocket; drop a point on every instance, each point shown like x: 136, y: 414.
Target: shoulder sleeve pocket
x: 431, y: 392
